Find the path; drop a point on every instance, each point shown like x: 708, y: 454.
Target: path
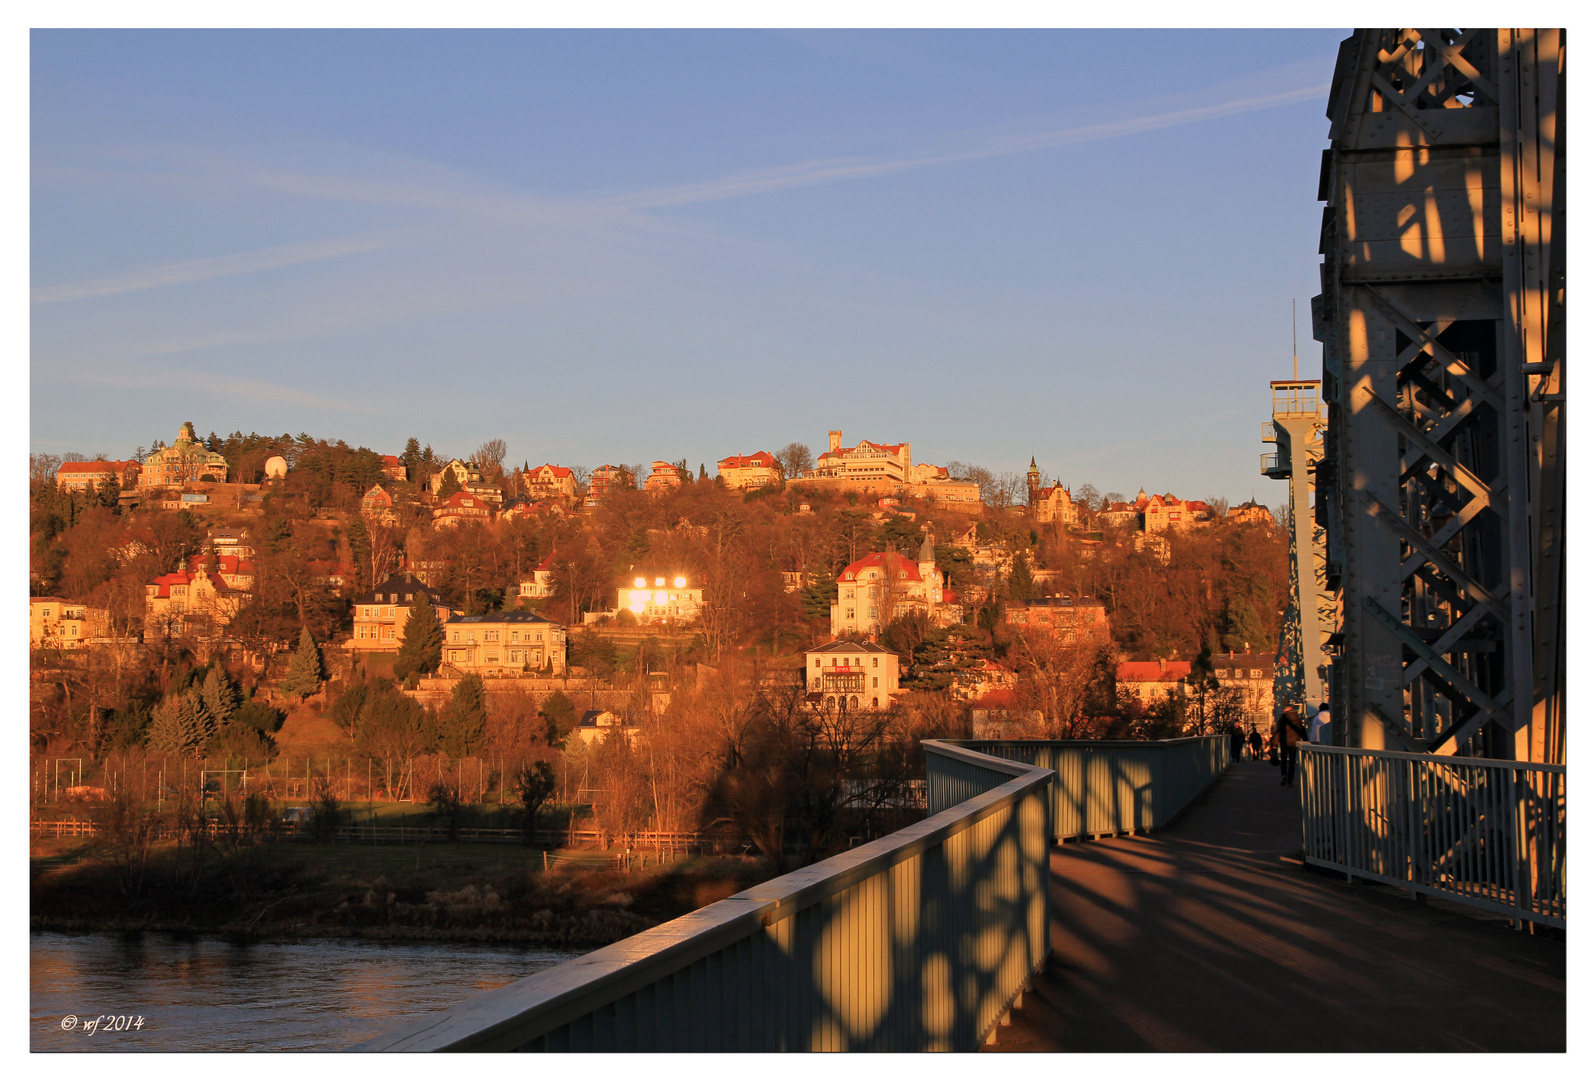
x: 1211, y: 935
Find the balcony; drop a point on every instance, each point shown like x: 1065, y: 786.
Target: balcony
x: 1297, y: 398
x: 1269, y: 434
x: 1274, y: 466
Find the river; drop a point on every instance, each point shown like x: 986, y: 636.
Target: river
x: 300, y: 994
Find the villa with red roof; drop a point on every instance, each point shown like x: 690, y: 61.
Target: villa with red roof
x: 549, y: 482
x: 883, y: 464
x: 198, y: 603
x: 541, y: 583
x: 749, y: 471
x: 459, y: 509
x: 884, y: 585
x: 89, y: 475
x: 394, y: 469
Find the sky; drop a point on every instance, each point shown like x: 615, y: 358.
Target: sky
x: 621, y: 246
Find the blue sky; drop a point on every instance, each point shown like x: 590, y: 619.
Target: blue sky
x: 622, y: 246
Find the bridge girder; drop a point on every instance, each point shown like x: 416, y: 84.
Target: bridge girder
x: 1442, y: 484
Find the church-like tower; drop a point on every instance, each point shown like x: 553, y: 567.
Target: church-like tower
x: 1033, y: 481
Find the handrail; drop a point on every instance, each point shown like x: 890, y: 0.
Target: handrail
x: 1105, y: 786
x: 920, y: 940
x: 1484, y: 832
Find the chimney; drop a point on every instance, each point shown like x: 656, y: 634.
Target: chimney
x: 836, y: 440
x: 1232, y: 654
x: 1162, y: 665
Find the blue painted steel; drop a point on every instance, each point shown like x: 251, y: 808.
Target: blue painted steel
x: 1104, y: 787
x: 918, y: 941
x: 1487, y: 833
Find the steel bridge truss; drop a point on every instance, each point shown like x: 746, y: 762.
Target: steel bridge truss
x: 1442, y: 320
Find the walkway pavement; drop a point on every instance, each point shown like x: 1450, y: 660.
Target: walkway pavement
x: 1210, y: 935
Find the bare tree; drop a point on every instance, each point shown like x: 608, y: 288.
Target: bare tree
x: 794, y: 459
x: 489, y: 457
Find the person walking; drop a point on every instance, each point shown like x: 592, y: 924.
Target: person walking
x: 1318, y: 733
x: 1257, y: 744
x: 1237, y: 741
x: 1290, y: 733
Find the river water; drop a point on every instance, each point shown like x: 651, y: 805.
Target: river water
x: 203, y: 994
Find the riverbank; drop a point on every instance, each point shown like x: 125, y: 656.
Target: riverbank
x: 435, y: 891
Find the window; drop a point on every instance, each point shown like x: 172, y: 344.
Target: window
x: 849, y: 613
x: 875, y: 661
x: 489, y: 635
x: 456, y: 636
x: 817, y: 661
x: 875, y: 681
x: 387, y: 633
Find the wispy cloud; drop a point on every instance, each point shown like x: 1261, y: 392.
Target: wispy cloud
x: 807, y: 174
x: 216, y: 385
x: 193, y: 270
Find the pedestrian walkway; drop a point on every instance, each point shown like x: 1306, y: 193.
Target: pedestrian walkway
x: 1211, y: 935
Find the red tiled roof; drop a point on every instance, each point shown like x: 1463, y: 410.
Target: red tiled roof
x: 389, y: 459
x: 908, y: 569
x: 95, y: 466
x: 557, y: 470
x: 761, y: 460
x: 1150, y: 671
x: 462, y: 500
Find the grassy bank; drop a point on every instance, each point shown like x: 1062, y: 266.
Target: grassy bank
x: 435, y: 890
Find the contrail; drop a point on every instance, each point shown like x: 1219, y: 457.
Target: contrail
x: 809, y: 173
x: 183, y: 273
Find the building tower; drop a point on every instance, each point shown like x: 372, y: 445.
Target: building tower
x: 1297, y: 428
x: 1033, y: 481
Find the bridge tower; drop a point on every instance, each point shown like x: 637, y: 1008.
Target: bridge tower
x: 1442, y: 317
x: 1297, y: 429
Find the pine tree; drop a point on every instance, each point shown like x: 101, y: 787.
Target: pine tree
x: 360, y: 550
x: 180, y: 723
x: 465, y: 721
x: 166, y: 734
x: 304, y: 670
x: 1021, y: 583
x: 219, y: 697
x: 422, y: 647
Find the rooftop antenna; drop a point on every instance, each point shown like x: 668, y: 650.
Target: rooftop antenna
x: 1294, y: 377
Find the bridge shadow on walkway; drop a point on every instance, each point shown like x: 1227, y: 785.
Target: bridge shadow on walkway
x: 1211, y: 935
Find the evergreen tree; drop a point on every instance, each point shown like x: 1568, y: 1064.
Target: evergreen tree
x: 703, y: 472
x: 304, y: 670
x: 220, y: 697
x: 559, y: 717
x: 180, y: 723
x: 412, y: 458
x: 465, y: 721
x: 1021, y: 584
x: 166, y: 728
x: 422, y: 647
x: 360, y: 551
x: 108, y: 492
x: 451, y: 484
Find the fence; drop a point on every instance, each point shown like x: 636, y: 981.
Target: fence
x: 362, y: 833
x: 1104, y: 787
x: 921, y: 940
x: 1490, y: 834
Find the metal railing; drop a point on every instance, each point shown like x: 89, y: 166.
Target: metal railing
x: 1269, y: 464
x: 1490, y: 834
x: 921, y: 940
x: 1103, y: 787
